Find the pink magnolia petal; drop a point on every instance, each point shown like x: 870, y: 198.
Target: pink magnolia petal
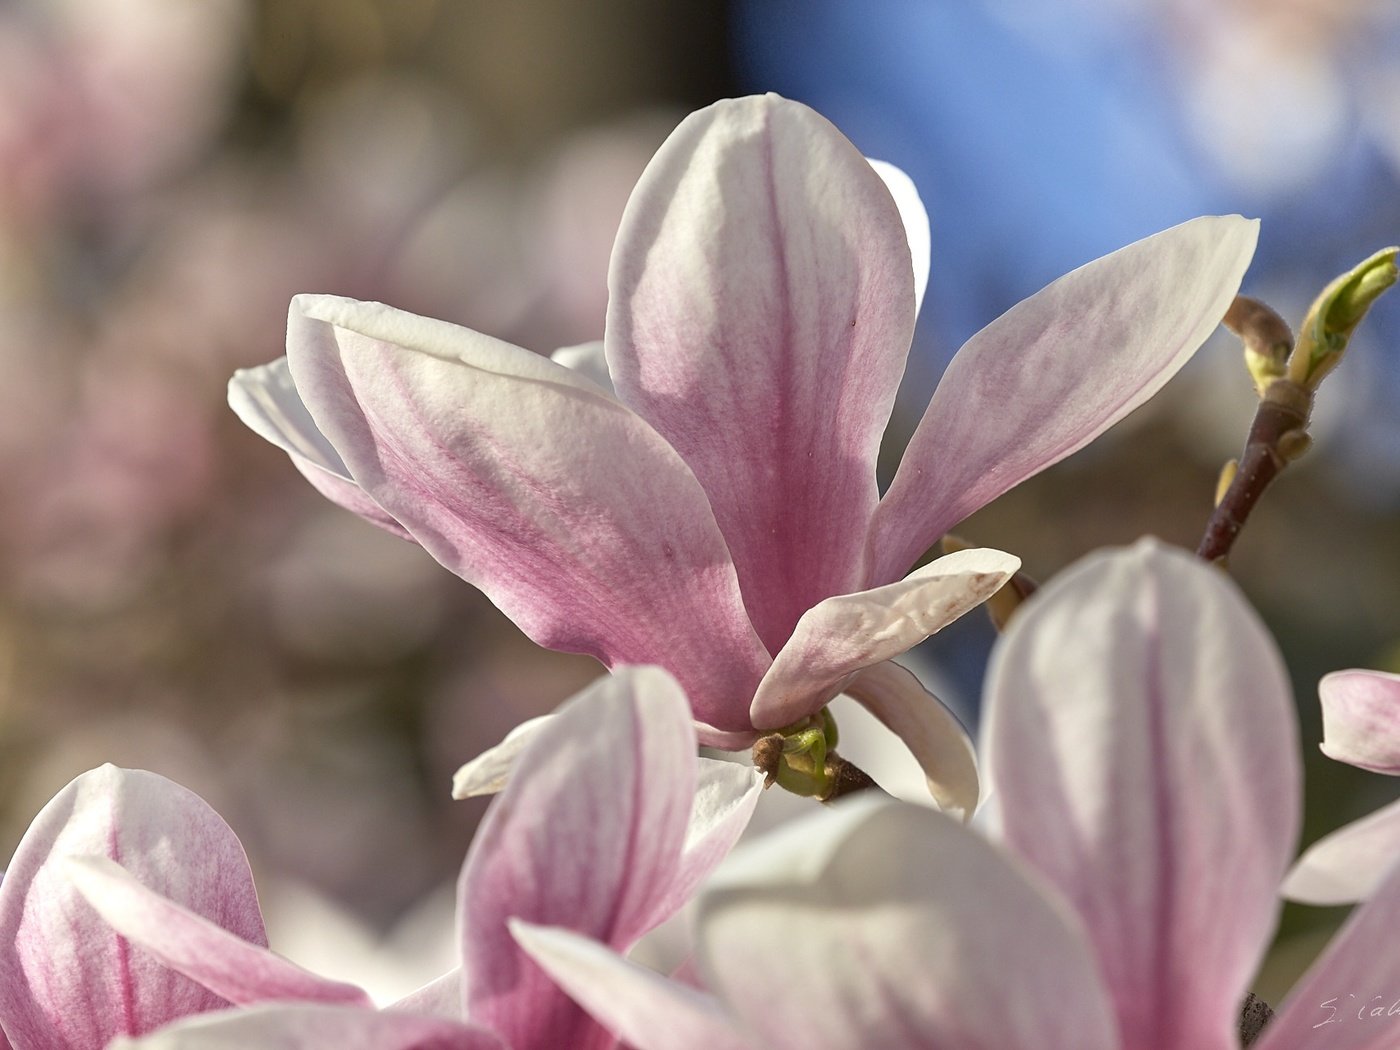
x: 317, y: 1027
x: 586, y: 359
x: 66, y: 978
x: 915, y: 218
x: 1361, y: 719
x: 1350, y: 998
x: 529, y: 482
x: 932, y: 733
x: 230, y: 967
x: 489, y: 771
x: 644, y: 1009
x: 587, y: 835
x: 914, y: 933
x: 1056, y: 371
x: 841, y: 635
x: 1347, y: 865
x: 761, y: 310
x: 1141, y: 742
x: 267, y: 402
x: 725, y: 796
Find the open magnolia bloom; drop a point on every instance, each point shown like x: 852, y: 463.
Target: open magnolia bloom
x: 715, y: 509
x: 1141, y: 748
x: 129, y: 904
x: 1360, y: 726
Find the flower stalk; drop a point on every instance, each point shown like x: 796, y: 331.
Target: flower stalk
x: 1286, y: 374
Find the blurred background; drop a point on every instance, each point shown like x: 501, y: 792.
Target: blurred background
x: 172, y: 594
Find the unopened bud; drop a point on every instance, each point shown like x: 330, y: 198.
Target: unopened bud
x: 1266, y: 337
x: 1335, y: 315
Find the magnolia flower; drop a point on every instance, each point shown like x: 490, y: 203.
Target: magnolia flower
x: 129, y: 904
x: 1142, y: 751
x: 1360, y: 726
x: 716, y: 511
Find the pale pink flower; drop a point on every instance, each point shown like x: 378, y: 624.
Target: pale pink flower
x: 1360, y: 726
x: 129, y: 904
x: 1141, y: 747
x: 713, y: 508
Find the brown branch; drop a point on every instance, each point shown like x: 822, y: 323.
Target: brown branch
x: 1277, y: 437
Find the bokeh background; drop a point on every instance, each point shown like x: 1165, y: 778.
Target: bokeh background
x: 173, y: 596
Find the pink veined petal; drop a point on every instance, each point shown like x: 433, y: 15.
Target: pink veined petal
x: 230, y: 967
x: 1056, y: 371
x: 316, y: 1027
x: 1141, y: 742
x: 267, y: 402
x: 915, y: 218
x: 1347, y: 865
x: 1361, y: 719
x: 761, y: 310
x: 489, y: 771
x: 531, y: 483
x: 1350, y: 998
x: 933, y: 734
x: 587, y: 359
x: 639, y: 1006
x: 842, y: 635
x: 915, y: 933
x: 587, y: 834
x: 66, y: 978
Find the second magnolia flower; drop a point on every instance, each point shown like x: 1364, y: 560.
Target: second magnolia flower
x: 712, y: 505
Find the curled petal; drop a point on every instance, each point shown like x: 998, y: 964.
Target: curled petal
x: 1141, y: 743
x: 266, y: 400
x: 66, y: 977
x: 906, y: 930
x: 639, y: 1006
x: 190, y: 944
x: 842, y: 635
x: 932, y: 733
x: 761, y: 310
x: 587, y: 834
x: 587, y: 359
x: 1347, y: 865
x: 488, y: 772
x: 530, y: 482
x: 915, y: 217
x: 1054, y: 372
x: 1361, y: 719
x: 317, y: 1027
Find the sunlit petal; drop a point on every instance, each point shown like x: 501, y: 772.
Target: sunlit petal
x: 188, y: 943
x: 842, y: 635
x: 531, y: 483
x: 1056, y: 371
x: 66, y: 977
x: 590, y: 840
x: 267, y: 402
x: 915, y: 933
x: 932, y: 733
x: 1141, y: 741
x: 761, y: 310
x: 646, y: 1010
